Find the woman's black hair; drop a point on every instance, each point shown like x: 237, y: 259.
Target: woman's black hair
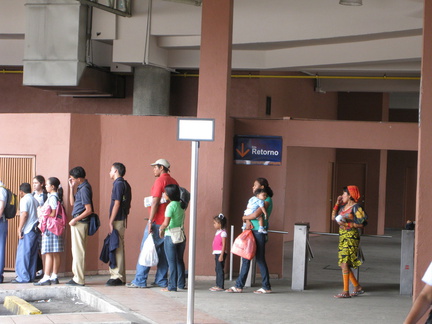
x: 55, y: 182
x: 41, y: 179
x: 345, y: 189
x: 264, y: 182
x: 173, y: 193
x: 221, y: 219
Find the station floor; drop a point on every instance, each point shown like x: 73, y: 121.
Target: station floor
x: 379, y: 276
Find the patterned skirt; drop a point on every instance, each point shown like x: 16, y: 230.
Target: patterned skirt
x: 51, y: 243
x: 348, y: 248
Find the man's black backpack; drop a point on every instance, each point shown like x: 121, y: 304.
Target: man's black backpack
x: 184, y: 196
x: 10, y: 208
x: 126, y: 200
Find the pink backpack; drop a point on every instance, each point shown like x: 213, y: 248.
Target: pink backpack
x: 57, y: 224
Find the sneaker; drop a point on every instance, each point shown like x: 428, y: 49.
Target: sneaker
x: 262, y: 230
x: 39, y: 274
x: 73, y: 283
x: 54, y: 281
x: 244, y: 226
x: 132, y: 285
x: 43, y: 283
x: 114, y: 282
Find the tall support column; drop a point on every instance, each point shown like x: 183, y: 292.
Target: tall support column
x: 423, y: 239
x: 151, y: 91
x: 382, y: 191
x: 213, y: 99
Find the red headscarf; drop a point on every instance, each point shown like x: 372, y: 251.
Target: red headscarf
x: 354, y: 192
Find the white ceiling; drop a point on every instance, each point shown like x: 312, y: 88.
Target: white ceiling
x: 382, y: 37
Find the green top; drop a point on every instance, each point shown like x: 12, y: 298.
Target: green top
x: 176, y: 215
x: 255, y: 222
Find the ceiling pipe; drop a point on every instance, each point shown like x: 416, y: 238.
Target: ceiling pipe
x: 261, y: 76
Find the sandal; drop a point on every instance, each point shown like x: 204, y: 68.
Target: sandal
x: 234, y: 290
x: 216, y: 288
x: 356, y: 292
x: 262, y: 291
x: 344, y: 294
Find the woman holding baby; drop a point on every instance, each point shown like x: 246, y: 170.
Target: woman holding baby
x: 351, y: 218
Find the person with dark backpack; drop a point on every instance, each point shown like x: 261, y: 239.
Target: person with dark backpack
x: 121, y: 197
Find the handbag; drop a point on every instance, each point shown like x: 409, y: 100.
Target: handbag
x: 148, y: 256
x: 177, y: 235
x: 244, y: 245
x: 94, y: 224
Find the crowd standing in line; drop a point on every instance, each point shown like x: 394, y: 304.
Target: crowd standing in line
x: 174, y: 251
x: 219, y: 251
x: 41, y: 195
x: 260, y: 239
x: 81, y: 198
x: 3, y: 229
x: 350, y: 217
x: 52, y: 244
x: 157, y: 216
x: 117, y: 222
x: 27, y: 252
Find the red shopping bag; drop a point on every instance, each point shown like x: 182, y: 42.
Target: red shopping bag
x: 244, y: 245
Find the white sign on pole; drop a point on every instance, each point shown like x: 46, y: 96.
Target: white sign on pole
x: 194, y: 130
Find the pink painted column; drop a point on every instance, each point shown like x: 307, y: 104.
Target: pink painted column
x: 423, y: 239
x: 213, y: 98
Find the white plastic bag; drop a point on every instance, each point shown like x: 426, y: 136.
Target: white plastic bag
x: 148, y: 256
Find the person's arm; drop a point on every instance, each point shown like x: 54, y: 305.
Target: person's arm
x: 87, y: 211
x: 221, y: 256
x: 420, y: 306
x: 336, y: 207
x: 153, y: 209
x: 2, y: 206
x: 164, y: 226
x: 257, y: 213
x: 71, y: 192
x: 114, y: 212
x: 23, y: 219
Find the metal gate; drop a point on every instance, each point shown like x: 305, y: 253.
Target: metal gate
x: 15, y: 170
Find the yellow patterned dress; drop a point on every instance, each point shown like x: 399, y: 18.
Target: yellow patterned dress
x: 349, y: 238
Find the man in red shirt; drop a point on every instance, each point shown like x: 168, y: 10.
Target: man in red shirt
x: 156, y: 218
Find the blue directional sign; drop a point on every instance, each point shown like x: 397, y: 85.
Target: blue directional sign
x: 250, y: 149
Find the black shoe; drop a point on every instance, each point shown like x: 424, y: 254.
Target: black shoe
x: 72, y: 283
x: 54, y: 281
x: 43, y: 283
x: 114, y: 282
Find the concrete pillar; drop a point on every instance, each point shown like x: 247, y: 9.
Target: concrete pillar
x: 213, y: 98
x: 382, y: 192
x: 423, y: 238
x: 151, y: 91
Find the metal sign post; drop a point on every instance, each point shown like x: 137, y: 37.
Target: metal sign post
x: 195, y: 130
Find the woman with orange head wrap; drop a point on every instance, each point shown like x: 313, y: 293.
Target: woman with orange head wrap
x: 350, y: 216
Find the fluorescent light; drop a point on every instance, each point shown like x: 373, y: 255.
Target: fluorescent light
x: 351, y: 2
x: 191, y: 2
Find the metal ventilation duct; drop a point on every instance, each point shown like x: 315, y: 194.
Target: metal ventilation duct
x: 55, y: 51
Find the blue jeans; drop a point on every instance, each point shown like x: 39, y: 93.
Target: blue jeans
x: 220, y: 270
x: 260, y: 239
x: 3, y: 236
x: 26, y: 257
x: 162, y: 267
x: 174, y: 254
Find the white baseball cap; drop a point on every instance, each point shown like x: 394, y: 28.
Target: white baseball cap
x: 163, y: 162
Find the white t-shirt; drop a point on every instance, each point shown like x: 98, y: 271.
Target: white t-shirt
x: 427, y: 278
x: 3, y: 195
x: 29, y: 204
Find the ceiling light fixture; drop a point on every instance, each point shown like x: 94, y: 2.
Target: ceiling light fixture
x: 351, y: 2
x: 191, y: 2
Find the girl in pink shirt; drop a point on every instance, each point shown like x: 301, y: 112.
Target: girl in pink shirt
x: 219, y: 251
